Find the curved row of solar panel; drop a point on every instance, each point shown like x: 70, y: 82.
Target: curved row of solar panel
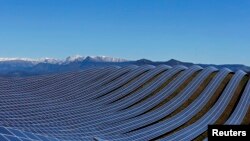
x: 128, y: 103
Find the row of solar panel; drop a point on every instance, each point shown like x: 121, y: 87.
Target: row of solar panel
x: 112, y: 103
x: 9, y: 134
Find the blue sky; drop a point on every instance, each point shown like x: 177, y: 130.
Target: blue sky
x: 200, y: 31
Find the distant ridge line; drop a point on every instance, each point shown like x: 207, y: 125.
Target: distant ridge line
x: 19, y: 67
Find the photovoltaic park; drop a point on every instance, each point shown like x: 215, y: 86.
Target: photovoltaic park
x: 130, y: 103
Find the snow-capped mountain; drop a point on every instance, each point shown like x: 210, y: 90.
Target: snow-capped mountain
x: 79, y: 58
x: 17, y: 59
x: 70, y: 59
x: 29, y: 67
x: 30, y: 60
x: 104, y: 59
x: 74, y: 58
x: 50, y: 61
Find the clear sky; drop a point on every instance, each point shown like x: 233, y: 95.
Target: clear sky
x: 200, y: 31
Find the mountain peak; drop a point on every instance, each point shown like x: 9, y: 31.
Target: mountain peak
x: 173, y: 60
x: 49, y: 60
x: 74, y: 58
x: 101, y: 59
x: 105, y: 59
x: 144, y: 61
x: 177, y: 62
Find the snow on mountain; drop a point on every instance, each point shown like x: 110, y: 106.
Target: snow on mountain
x: 33, y: 61
x: 29, y: 67
x: 75, y: 58
x: 50, y: 60
x: 107, y: 59
x: 78, y: 58
x: 16, y: 59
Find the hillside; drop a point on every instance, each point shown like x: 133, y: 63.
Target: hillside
x: 124, y: 103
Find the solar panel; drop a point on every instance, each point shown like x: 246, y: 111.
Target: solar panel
x: 120, y: 103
